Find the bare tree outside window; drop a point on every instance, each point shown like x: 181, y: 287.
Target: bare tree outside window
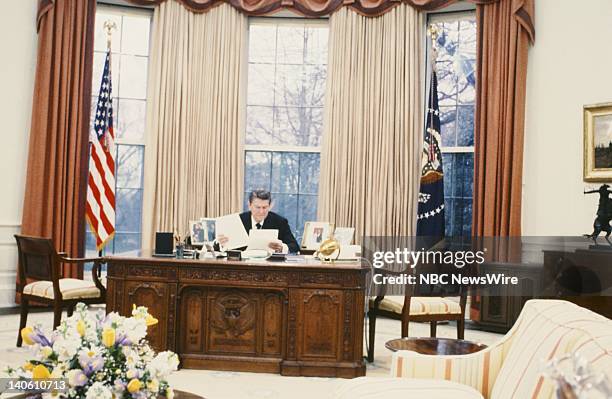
x: 455, y: 67
x: 130, y: 57
x: 286, y: 89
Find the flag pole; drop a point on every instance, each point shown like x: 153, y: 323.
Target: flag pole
x: 109, y: 27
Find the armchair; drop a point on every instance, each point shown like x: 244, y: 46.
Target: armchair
x: 420, y: 304
x: 512, y: 368
x: 40, y: 280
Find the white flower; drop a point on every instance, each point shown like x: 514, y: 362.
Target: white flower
x: 98, y: 391
x: 67, y: 347
x: 131, y: 356
x: 76, y: 378
x: 163, y: 364
x: 153, y: 385
x: 134, y: 329
x: 45, y: 352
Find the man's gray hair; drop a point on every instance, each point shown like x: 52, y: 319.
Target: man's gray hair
x: 261, y: 194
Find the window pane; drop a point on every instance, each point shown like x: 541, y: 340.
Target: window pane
x: 260, y: 89
x: 448, y: 39
x: 129, y: 162
x: 466, y: 81
x: 263, y: 48
x: 287, y: 206
x: 290, y: 44
x: 135, y: 35
x: 458, y: 188
x: 447, y: 126
x: 467, y: 38
x: 314, y: 84
x: 133, y: 77
x: 285, y: 172
x: 309, y: 173
x: 126, y: 242
x: 130, y: 119
x: 129, y: 210
x: 465, y: 128
x: 289, y: 85
x: 260, y: 125
x: 257, y: 165
x: 315, y: 38
x: 447, y: 88
x: 307, y: 212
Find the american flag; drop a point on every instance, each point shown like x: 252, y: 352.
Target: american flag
x: 100, y: 210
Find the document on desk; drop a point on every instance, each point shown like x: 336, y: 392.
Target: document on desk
x: 231, y: 226
x: 260, y: 239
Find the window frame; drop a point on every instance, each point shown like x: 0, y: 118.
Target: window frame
x: 281, y: 19
x: 467, y: 12
x: 122, y: 10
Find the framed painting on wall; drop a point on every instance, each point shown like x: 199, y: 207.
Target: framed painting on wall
x: 598, y: 142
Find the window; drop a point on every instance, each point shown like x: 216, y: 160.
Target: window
x: 455, y: 67
x: 286, y: 88
x: 130, y: 52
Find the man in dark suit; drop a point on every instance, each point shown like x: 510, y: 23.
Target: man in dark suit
x: 259, y: 216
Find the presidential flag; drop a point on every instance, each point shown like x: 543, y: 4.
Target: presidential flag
x: 100, y: 211
x: 430, y: 218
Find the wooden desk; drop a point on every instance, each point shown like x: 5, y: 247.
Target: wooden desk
x: 293, y: 319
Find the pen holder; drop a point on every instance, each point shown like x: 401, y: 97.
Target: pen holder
x: 180, y: 251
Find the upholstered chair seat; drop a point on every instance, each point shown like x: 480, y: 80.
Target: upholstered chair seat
x: 70, y: 288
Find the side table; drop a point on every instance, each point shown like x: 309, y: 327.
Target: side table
x: 435, y: 346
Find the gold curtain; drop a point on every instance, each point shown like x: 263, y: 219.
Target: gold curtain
x: 193, y: 160
x: 503, y: 42
x: 370, y: 158
x: 56, y: 183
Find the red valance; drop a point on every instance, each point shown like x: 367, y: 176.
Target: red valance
x: 523, y: 9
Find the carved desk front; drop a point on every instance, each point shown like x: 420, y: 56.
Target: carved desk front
x: 294, y: 319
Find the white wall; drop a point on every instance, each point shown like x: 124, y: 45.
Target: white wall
x: 18, y: 48
x: 569, y: 66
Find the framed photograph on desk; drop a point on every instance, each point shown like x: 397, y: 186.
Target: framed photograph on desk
x: 344, y: 235
x: 315, y: 233
x: 210, y: 229
x: 197, y: 232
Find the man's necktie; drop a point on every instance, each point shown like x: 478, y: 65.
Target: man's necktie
x: 258, y: 225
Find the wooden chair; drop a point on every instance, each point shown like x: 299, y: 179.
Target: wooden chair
x: 40, y: 280
x: 420, y: 304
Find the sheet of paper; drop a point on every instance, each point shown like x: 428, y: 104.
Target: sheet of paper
x: 231, y: 227
x: 259, y: 239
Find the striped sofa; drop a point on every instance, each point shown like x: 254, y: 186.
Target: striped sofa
x: 512, y: 368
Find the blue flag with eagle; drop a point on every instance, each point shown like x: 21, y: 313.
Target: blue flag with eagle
x: 430, y: 217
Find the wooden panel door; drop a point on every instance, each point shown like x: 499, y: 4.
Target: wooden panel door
x: 156, y: 297
x: 193, y: 320
x: 320, y: 318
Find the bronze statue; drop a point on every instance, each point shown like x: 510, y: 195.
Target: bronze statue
x: 604, y: 213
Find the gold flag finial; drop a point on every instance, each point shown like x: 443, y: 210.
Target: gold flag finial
x: 433, y: 31
x: 109, y: 27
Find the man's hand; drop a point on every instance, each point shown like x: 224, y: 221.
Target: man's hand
x: 277, y: 246
x: 222, y: 240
